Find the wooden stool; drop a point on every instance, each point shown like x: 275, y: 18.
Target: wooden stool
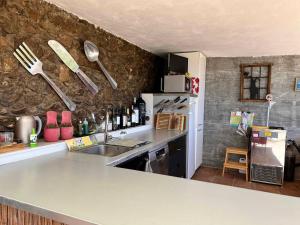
x: 236, y: 165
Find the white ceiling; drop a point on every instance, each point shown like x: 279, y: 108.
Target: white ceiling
x: 215, y: 27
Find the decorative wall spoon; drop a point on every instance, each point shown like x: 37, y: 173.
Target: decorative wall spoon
x: 92, y: 53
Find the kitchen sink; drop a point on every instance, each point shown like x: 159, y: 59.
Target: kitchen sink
x: 105, y: 150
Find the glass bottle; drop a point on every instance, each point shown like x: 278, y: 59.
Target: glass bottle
x: 142, y: 110
x: 128, y: 118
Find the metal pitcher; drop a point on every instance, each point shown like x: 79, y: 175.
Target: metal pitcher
x: 24, y: 125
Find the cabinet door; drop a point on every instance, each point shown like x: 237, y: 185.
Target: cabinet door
x: 199, y: 147
x: 177, y: 157
x: 137, y: 163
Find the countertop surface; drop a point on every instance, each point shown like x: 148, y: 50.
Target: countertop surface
x: 77, y: 188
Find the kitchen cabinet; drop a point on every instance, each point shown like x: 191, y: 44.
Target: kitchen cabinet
x: 177, y: 157
x: 10, y: 216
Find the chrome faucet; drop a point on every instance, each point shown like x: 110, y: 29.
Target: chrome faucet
x: 107, y: 136
x: 96, y: 126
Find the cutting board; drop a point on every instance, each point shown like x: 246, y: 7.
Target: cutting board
x: 177, y: 122
x: 162, y: 120
x: 126, y: 142
x: 12, y: 148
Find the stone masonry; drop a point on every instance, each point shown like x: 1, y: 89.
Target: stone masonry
x: 222, y: 97
x: 36, y: 22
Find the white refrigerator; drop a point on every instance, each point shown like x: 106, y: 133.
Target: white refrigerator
x: 197, y: 68
x: 190, y: 111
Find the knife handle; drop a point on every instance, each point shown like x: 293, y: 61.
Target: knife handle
x: 71, y: 105
x: 87, y: 82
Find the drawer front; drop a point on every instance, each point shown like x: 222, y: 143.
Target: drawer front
x: 177, y: 157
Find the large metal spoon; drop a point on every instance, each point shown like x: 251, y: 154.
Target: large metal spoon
x: 92, y: 53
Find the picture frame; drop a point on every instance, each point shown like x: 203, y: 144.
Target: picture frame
x: 297, y: 84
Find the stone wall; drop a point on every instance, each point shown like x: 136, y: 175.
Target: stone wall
x: 36, y: 22
x: 222, y: 97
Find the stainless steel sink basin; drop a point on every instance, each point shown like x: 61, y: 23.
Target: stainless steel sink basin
x: 105, y: 150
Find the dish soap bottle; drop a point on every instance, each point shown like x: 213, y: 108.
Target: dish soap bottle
x: 33, y: 138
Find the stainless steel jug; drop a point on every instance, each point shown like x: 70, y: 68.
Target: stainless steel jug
x: 24, y: 125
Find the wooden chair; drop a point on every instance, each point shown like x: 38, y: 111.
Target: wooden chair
x: 236, y: 165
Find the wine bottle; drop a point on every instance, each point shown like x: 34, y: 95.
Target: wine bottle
x: 135, y: 112
x: 110, y: 118
x: 133, y: 117
x: 116, y: 119
x: 128, y: 118
x: 123, y: 118
x: 142, y: 110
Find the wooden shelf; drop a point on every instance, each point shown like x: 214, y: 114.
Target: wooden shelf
x: 239, y: 151
x: 236, y: 165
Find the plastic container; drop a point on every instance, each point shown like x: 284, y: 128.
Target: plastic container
x: 66, y: 129
x: 66, y: 133
x: 51, y: 130
x: 51, y: 134
x: 6, y: 138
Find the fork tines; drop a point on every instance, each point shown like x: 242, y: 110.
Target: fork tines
x: 25, y: 56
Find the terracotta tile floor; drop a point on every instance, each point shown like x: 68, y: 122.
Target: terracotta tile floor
x: 234, y: 178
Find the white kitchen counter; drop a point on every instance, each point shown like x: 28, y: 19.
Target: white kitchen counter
x: 77, y: 188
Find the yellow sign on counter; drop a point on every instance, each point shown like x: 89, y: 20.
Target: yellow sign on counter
x: 268, y: 134
x: 77, y: 143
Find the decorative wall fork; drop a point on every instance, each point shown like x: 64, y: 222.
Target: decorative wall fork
x: 34, y: 66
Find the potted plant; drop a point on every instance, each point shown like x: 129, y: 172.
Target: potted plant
x: 51, y: 130
x: 66, y: 127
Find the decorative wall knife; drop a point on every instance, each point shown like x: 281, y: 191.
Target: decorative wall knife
x: 65, y: 56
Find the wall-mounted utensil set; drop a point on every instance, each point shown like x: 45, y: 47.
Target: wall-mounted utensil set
x: 171, y: 105
x: 34, y: 66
